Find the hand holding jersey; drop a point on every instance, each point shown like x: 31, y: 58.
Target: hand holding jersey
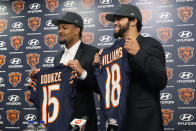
x: 131, y: 45
x: 75, y: 65
x: 96, y: 59
x: 33, y: 72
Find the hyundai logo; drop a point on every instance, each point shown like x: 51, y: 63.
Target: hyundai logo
x: 15, y: 61
x: 168, y: 55
x: 30, y: 117
x: 34, y: 6
x: 105, y: 1
x: 69, y: 4
x: 2, y: 44
x: 13, y: 98
x: 3, y: 9
x: 105, y: 38
x: 33, y: 42
x: 28, y: 79
x: 185, y: 34
x: 165, y: 96
x: 1, y: 80
x: 88, y: 21
x: 17, y: 25
x: 186, y: 75
x: 164, y: 15
x: 49, y: 23
x: 49, y: 59
x: 186, y: 117
x: 146, y: 35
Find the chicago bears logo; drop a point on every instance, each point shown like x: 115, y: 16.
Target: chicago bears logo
x: 88, y: 37
x: 50, y: 40
x: 34, y: 23
x: 124, y: 1
x: 15, y: 78
x: 18, y: 6
x: 13, y: 116
x: 186, y: 95
x: 185, y: 53
x: 3, y: 25
x: 184, y: 13
x: 16, y: 42
x: 146, y: 15
x: 1, y: 96
x: 169, y: 73
x: 2, y: 60
x: 103, y: 20
x: 32, y: 59
x: 164, y: 34
x: 27, y: 97
x: 52, y: 4
x: 167, y: 116
x: 87, y: 3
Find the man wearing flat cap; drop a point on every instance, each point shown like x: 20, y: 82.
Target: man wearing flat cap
x: 79, y: 57
x: 148, y: 72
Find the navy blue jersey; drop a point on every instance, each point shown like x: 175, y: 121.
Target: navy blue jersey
x: 113, y: 78
x: 54, y: 97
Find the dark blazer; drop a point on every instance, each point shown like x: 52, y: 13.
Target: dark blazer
x: 84, y: 102
x: 147, y: 79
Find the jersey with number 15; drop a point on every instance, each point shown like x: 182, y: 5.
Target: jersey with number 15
x: 54, y: 97
x: 113, y: 78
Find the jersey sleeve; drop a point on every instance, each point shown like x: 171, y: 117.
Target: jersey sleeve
x: 34, y: 97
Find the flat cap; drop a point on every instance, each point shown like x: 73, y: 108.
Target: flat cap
x: 70, y: 18
x: 126, y: 10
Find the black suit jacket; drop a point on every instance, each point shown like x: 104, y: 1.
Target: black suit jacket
x: 147, y: 79
x: 84, y: 102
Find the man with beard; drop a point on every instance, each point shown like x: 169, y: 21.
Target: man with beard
x: 79, y: 57
x: 146, y: 60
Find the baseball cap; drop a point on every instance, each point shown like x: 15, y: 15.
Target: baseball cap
x: 70, y: 18
x: 126, y: 10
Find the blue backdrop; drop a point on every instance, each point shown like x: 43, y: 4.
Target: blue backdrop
x: 28, y: 39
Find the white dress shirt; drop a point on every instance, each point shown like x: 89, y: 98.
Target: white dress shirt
x: 69, y: 54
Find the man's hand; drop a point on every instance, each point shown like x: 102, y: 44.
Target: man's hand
x: 33, y: 72
x: 96, y: 59
x: 132, y: 46
x: 75, y: 65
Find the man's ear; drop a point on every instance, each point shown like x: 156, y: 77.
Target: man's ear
x: 134, y: 22
x: 77, y: 30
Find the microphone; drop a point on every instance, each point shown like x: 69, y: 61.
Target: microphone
x: 112, y: 125
x: 79, y: 124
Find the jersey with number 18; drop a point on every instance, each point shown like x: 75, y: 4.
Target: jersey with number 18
x: 113, y: 78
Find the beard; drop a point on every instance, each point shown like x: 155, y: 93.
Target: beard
x: 121, y: 31
x: 62, y: 42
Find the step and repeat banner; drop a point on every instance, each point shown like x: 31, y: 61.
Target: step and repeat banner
x: 28, y: 39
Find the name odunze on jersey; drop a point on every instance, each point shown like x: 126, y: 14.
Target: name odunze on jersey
x: 51, y: 78
x: 53, y: 95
